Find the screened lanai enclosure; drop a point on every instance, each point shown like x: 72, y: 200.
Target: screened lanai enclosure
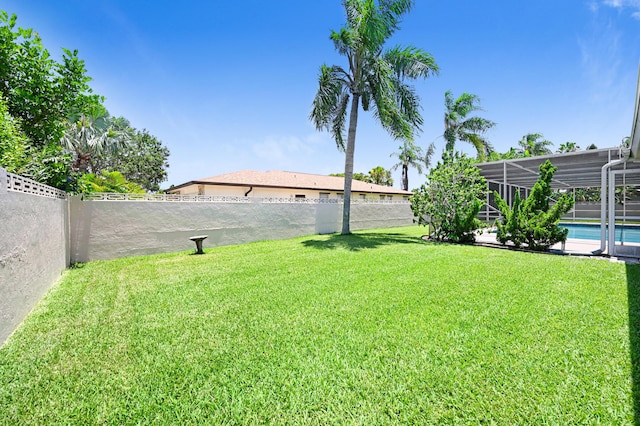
x: 581, y: 174
x: 605, y: 184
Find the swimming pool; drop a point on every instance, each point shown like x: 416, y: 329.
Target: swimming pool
x: 591, y: 231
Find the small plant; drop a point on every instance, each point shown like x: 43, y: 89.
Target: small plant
x: 533, y: 221
x: 450, y: 200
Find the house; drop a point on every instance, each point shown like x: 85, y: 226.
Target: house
x: 279, y: 184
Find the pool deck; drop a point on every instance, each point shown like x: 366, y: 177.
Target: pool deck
x: 575, y: 247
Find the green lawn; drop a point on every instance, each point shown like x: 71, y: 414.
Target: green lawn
x: 376, y: 328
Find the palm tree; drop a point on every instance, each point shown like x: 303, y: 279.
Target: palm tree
x: 533, y: 144
x: 458, y: 127
x: 88, y: 136
x: 374, y: 76
x: 568, y: 147
x: 411, y: 155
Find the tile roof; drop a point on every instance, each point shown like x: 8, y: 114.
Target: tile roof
x: 280, y: 179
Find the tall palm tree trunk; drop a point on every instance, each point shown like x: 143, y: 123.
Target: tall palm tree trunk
x: 405, y: 177
x: 348, y: 164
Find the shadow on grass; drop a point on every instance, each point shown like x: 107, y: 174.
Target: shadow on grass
x: 633, y: 295
x: 356, y: 242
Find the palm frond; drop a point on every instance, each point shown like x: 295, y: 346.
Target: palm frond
x: 478, y: 143
x: 392, y: 10
x: 330, y: 103
x: 411, y: 62
x: 476, y: 125
x: 329, y: 90
x: 342, y: 41
x: 458, y: 127
x: 365, y: 97
x: 340, y: 119
x: 431, y: 149
x: 466, y: 104
x: 381, y: 81
x: 409, y: 104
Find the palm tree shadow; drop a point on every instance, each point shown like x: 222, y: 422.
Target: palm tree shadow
x: 633, y: 296
x: 357, y: 242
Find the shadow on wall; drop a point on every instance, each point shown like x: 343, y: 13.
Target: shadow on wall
x: 633, y: 295
x: 357, y: 242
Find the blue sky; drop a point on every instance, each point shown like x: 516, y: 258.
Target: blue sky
x: 228, y: 85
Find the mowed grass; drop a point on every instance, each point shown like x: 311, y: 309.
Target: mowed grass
x: 375, y: 328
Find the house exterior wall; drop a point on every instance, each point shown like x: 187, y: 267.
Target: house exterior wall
x: 113, y: 229
x: 266, y: 192
x: 34, y: 251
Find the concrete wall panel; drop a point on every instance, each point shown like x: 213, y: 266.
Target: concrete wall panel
x: 33, y: 252
x: 113, y: 229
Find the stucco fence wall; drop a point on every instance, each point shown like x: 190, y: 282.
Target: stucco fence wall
x: 42, y: 232
x: 114, y: 229
x: 34, y: 249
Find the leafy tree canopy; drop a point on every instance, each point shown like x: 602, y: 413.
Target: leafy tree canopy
x: 451, y: 198
x: 13, y: 142
x: 39, y: 91
x: 144, y: 160
x: 568, y: 147
x: 378, y: 175
x: 53, y: 128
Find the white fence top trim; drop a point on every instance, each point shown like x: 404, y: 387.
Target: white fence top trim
x: 103, y: 196
x: 17, y: 183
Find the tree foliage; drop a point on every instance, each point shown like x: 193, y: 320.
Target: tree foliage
x: 568, y: 147
x: 108, y: 182
x: 534, y: 144
x: 411, y: 155
x: 512, y: 154
x: 380, y: 176
x: 458, y: 125
x: 13, y: 142
x: 374, y: 77
x: 53, y: 128
x: 144, y: 160
x: 89, y: 136
x: 39, y: 91
x: 451, y: 198
x: 50, y: 165
x: 533, y: 221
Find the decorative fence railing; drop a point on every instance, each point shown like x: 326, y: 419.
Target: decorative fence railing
x: 19, y: 183
x: 104, y: 196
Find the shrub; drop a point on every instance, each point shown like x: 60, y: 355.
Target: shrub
x: 108, y: 182
x: 532, y: 221
x: 13, y: 142
x: 450, y: 200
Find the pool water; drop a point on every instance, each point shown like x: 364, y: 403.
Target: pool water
x: 591, y: 231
